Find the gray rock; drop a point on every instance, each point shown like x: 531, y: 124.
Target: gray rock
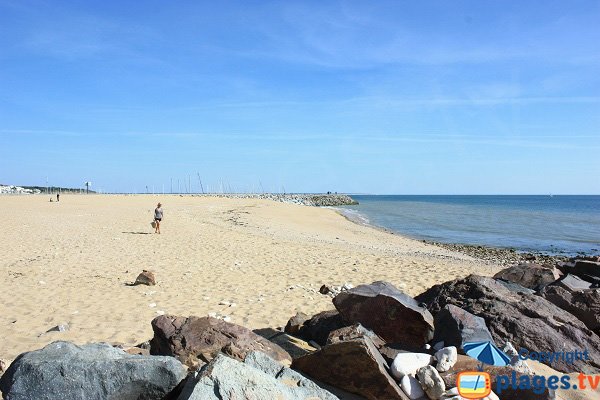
x: 62, y: 370
x: 321, y: 325
x: 258, y: 377
x: 432, y: 382
x: 455, y: 327
x: 584, y: 304
x: 573, y: 282
x: 446, y: 358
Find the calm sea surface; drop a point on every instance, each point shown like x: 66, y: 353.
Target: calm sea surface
x: 552, y: 224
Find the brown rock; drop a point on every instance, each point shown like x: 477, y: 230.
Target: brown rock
x: 321, y: 325
x: 295, y: 323
x: 532, y: 276
x: 355, y: 366
x: 355, y: 331
x: 390, y: 313
x: 189, y: 339
x: 455, y: 327
x: 584, y: 304
x: 146, y: 278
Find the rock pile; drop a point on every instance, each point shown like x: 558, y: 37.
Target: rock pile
x: 314, y: 200
x: 378, y: 343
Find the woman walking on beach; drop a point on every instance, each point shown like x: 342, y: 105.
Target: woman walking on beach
x: 158, y: 215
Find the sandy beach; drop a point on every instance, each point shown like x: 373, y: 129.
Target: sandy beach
x: 71, y: 262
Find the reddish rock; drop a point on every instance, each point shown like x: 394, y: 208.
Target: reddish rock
x: 355, y: 331
x: 532, y: 276
x: 390, y: 313
x: 194, y: 338
x: 146, y: 278
x: 355, y: 366
x: 584, y: 304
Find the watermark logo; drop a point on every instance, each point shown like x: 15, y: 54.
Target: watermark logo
x: 473, y: 385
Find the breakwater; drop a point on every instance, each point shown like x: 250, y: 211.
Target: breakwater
x: 305, y: 199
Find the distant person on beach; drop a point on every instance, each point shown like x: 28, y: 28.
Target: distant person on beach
x: 57, y: 196
x: 158, y: 215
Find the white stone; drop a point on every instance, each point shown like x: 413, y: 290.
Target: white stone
x: 411, y: 387
x: 515, y: 361
x: 408, y: 364
x: 431, y: 382
x: 446, y: 358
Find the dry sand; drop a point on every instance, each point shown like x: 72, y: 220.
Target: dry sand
x: 70, y: 262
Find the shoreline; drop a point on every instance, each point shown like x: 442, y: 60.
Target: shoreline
x: 489, y: 254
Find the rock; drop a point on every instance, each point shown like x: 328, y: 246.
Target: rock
x: 3, y: 366
x: 145, y: 278
x: 321, y: 325
x: 408, y: 364
x: 190, y: 338
x: 390, y: 313
x: 59, y: 328
x: 528, y: 321
x: 573, y: 282
x: 431, y: 382
x: 354, y: 332
x: 455, y: 327
x: 355, y: 366
x: 532, y: 276
x: 446, y: 358
x: 411, y: 387
x: 258, y: 377
x: 294, y: 346
x: 515, y: 361
x: 294, y: 325
x: 584, y: 304
x: 585, y: 267
x: 62, y: 370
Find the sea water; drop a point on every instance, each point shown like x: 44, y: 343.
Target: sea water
x: 548, y: 224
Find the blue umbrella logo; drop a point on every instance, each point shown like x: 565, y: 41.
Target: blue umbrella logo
x: 487, y: 353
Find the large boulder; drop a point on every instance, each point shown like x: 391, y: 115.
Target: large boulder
x: 321, y: 325
x: 194, y: 339
x: 355, y: 366
x: 585, y: 268
x: 62, y: 370
x: 393, y: 315
x: 455, y: 327
x: 584, y: 304
x: 532, y: 276
x: 257, y: 377
x: 528, y: 321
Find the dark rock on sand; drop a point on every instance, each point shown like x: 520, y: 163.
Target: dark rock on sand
x: 584, y: 304
x: 455, y: 327
x: 194, y: 340
x: 257, y: 377
x: 62, y: 370
x: 584, y: 267
x: 294, y: 325
x: 321, y: 325
x: 355, y: 366
x: 527, y: 321
x: 390, y: 313
x: 146, y: 278
x: 532, y: 276
x: 355, y: 331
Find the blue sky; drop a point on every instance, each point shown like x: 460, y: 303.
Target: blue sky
x: 431, y: 97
